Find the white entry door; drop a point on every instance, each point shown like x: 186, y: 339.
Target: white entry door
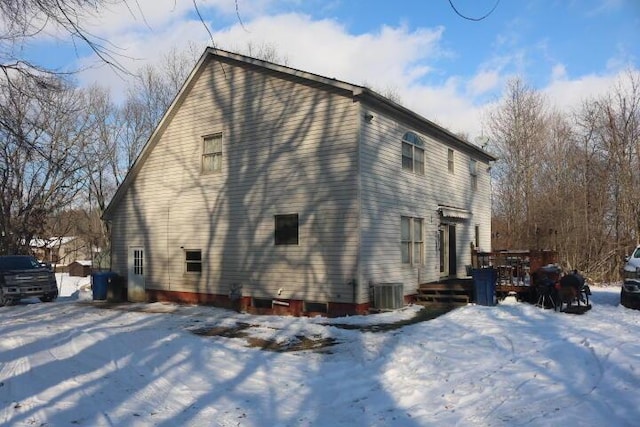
x: 135, y: 290
x: 448, y: 251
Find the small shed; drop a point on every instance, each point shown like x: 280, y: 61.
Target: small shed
x: 80, y: 268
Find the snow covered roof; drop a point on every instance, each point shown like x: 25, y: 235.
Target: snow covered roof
x: 51, y: 241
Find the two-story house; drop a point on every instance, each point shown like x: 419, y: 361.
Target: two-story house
x: 280, y: 190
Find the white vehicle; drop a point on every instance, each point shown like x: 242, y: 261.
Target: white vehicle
x: 631, y: 269
x: 630, y: 290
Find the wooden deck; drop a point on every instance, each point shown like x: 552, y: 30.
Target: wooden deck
x: 521, y: 292
x: 460, y: 292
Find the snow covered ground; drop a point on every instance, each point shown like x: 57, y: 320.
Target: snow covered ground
x: 75, y: 363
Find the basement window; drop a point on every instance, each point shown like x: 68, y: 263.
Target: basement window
x: 193, y: 260
x: 262, y: 303
x: 316, y: 307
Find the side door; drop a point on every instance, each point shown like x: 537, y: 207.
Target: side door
x: 448, y: 252
x: 135, y: 270
x: 443, y: 246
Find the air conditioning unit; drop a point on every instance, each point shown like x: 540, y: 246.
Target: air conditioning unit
x: 388, y: 296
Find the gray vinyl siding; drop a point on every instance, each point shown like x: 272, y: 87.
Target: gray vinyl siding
x: 287, y: 148
x: 389, y: 192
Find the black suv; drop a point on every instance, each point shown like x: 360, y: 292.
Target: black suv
x: 22, y: 276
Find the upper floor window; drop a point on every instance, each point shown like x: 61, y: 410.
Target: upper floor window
x: 473, y: 171
x: 212, y: 153
x: 450, y: 160
x: 413, y: 153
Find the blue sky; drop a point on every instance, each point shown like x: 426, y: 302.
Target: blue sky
x: 443, y: 66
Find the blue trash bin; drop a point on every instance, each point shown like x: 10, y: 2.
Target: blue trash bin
x: 100, y: 283
x: 484, y: 285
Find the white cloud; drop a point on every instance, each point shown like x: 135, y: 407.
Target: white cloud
x: 396, y: 58
x: 559, y: 72
x: 136, y: 49
x: 484, y: 82
x: 325, y: 47
x: 392, y: 57
x: 569, y: 94
x: 141, y: 15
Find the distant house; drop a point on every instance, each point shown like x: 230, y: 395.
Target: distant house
x: 285, y: 191
x: 61, y: 250
x: 81, y: 268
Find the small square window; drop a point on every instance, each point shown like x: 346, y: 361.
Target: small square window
x: 193, y: 260
x: 286, y: 229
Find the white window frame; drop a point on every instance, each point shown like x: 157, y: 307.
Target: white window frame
x: 138, y: 262
x: 411, y: 240
x: 210, y: 154
x: 450, y: 160
x: 473, y: 172
x: 412, y: 152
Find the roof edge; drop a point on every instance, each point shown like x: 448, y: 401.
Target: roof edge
x: 441, y: 132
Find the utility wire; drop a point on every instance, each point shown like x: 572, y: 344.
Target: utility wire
x: 471, y: 18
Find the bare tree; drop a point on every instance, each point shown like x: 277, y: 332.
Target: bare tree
x: 43, y: 133
x: 116, y: 135
x: 21, y: 20
x: 517, y: 127
x: 148, y: 98
x: 615, y: 123
x: 569, y: 182
x: 265, y: 51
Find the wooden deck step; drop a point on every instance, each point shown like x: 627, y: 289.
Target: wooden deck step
x: 444, y: 293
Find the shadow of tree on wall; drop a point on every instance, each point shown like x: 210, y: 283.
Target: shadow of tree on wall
x: 288, y: 148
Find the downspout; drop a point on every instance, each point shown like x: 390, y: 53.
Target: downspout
x: 110, y: 228
x: 168, y: 261
x: 360, y: 122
